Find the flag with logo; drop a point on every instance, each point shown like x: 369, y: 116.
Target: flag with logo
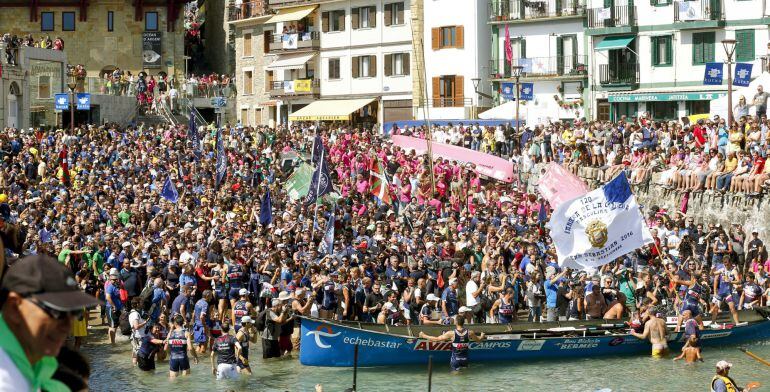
x: 508, y: 46
x: 508, y: 91
x: 713, y: 74
x: 326, y: 246
x: 266, y: 209
x: 742, y: 74
x: 320, y: 184
x: 379, y: 187
x: 193, y: 134
x: 598, y: 227
x: 527, y: 90
x: 221, y: 159
x: 169, y: 191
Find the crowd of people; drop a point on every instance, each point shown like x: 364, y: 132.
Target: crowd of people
x: 12, y: 43
x: 704, y: 155
x: 212, y: 272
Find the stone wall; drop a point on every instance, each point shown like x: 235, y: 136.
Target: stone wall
x: 751, y: 212
x: 251, y: 104
x: 95, y: 47
x: 217, y: 37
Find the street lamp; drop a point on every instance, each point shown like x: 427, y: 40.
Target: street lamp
x: 729, y: 45
x: 71, y: 84
x: 476, y: 82
x: 516, y: 73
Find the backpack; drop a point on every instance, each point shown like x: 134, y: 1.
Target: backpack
x: 146, y: 297
x: 123, y: 323
x: 261, y: 320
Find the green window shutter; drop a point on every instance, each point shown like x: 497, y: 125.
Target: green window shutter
x: 697, y: 48
x: 669, y: 50
x: 709, y: 47
x: 523, y: 48
x: 654, y: 50
x: 559, y: 54
x: 744, y: 49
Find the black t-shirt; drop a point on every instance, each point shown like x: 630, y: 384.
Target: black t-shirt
x: 373, y: 299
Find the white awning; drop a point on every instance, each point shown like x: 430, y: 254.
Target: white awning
x: 292, y: 14
x: 506, y: 111
x: 291, y: 61
x: 329, y: 110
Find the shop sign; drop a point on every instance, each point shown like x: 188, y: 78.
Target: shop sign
x: 666, y: 97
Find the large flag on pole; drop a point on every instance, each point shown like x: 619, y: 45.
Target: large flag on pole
x: 508, y: 46
x: 327, y: 243
x: 221, y: 159
x: 320, y: 184
x: 379, y: 187
x: 318, y: 149
x: 598, y: 227
x: 169, y: 191
x: 266, y: 210
x: 557, y: 185
x: 193, y: 134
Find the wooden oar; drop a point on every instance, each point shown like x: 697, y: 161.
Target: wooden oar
x: 749, y: 353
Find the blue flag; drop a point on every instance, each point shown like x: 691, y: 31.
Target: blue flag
x: 266, y: 210
x: 318, y: 150
x: 542, y: 215
x: 713, y: 74
x: 527, y: 91
x: 326, y: 246
x: 320, y: 184
x: 169, y: 191
x: 193, y: 134
x: 221, y: 159
x: 742, y: 74
x: 179, y: 166
x: 508, y: 91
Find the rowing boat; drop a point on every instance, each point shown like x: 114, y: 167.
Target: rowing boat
x: 332, y: 343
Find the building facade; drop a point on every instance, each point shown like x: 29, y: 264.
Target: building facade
x: 547, y: 40
x: 456, y: 47
x: 104, y: 34
x: 339, y: 50
x: 648, y: 58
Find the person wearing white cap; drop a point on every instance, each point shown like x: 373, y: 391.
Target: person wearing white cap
x: 276, y: 316
x: 429, y: 312
x: 241, y: 308
x: 722, y: 382
x: 246, y: 335
x: 449, y: 303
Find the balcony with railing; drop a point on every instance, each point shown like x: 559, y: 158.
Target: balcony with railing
x: 290, y: 3
x: 249, y: 9
x: 296, y: 87
x: 697, y: 11
x: 293, y: 41
x: 617, y: 16
x: 619, y: 75
x: 516, y: 10
x: 543, y: 67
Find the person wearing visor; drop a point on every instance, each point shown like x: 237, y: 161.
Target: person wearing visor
x: 40, y: 299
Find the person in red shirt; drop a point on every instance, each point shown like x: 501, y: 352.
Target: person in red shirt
x: 699, y: 134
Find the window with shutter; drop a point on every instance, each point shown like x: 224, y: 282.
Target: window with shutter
x: 247, y: 45
x: 372, y: 16
x: 325, y: 22
x: 435, y: 38
x: 459, y: 37
x: 436, y: 90
x: 355, y: 17
x: 399, y: 14
x: 459, y: 95
x: 560, y: 54
x: 697, y: 48
x: 340, y: 20
x: 406, y: 64
x: 388, y: 64
x: 388, y: 14
x: 372, y: 66
x: 334, y: 69
x: 744, y: 47
x: 709, y: 47
x: 354, y: 66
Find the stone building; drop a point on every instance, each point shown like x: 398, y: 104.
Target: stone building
x: 134, y: 35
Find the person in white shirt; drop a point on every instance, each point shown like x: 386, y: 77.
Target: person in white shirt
x: 138, y: 326
x: 473, y: 290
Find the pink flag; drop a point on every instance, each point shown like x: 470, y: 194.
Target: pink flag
x: 508, y: 47
x: 558, y: 185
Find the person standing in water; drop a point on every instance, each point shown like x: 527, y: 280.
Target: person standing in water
x: 460, y: 338
x: 655, y: 331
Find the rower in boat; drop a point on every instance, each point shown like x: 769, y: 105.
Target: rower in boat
x: 460, y: 337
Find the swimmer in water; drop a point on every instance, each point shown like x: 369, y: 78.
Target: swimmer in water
x: 690, y: 351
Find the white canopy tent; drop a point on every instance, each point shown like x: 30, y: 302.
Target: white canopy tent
x: 719, y: 106
x: 506, y: 111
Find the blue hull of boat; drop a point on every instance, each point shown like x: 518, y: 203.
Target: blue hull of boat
x: 328, y: 344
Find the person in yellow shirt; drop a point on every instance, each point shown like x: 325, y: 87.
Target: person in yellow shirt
x: 566, y: 136
x: 723, y: 181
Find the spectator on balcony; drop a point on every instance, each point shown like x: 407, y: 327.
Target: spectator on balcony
x: 11, y: 48
x: 45, y: 42
x: 28, y: 41
x: 58, y: 44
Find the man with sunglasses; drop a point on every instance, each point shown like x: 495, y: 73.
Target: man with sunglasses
x: 40, y: 299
